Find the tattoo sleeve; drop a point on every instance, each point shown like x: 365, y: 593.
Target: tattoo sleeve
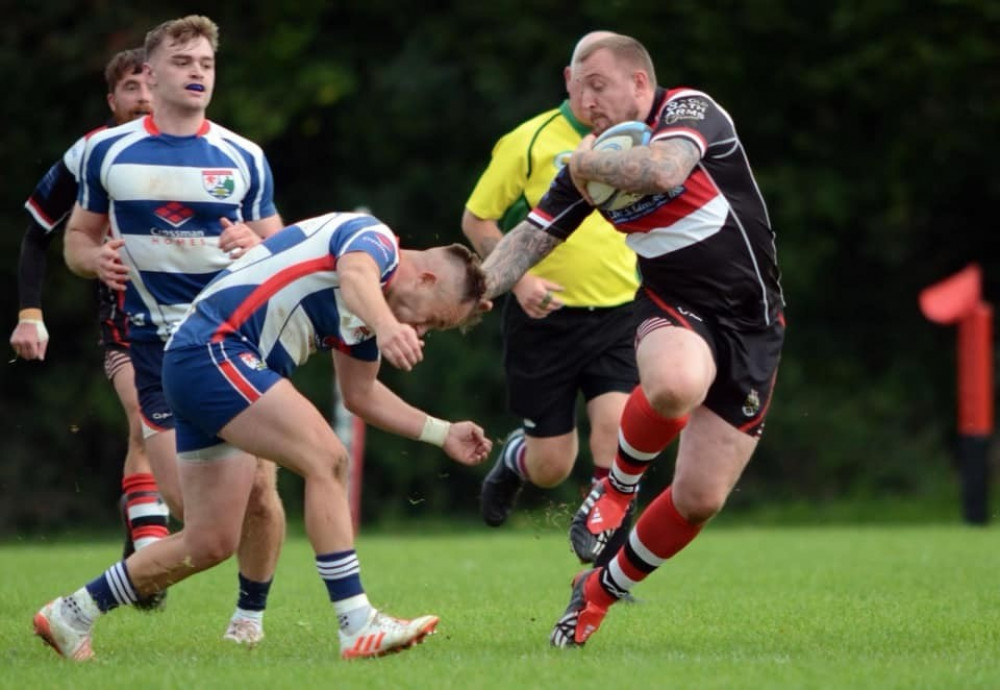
x: 519, y: 250
x: 649, y: 169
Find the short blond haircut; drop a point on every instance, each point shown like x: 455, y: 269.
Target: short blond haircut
x: 625, y: 49
x: 181, y: 31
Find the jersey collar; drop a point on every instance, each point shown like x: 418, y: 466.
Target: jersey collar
x: 151, y: 127
x: 566, y: 112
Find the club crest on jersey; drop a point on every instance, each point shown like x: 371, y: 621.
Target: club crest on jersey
x: 219, y: 183
x: 751, y: 406
x: 251, y: 361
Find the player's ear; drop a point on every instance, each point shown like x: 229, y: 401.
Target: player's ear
x: 427, y: 279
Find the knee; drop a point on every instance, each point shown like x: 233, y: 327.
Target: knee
x: 209, y: 548
x: 264, y: 503
x: 333, y: 465
x: 675, y: 395
x: 548, y: 470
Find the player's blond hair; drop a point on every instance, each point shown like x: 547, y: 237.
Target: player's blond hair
x: 625, y: 49
x: 123, y: 64
x: 183, y: 30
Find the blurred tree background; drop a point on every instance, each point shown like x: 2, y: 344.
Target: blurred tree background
x: 871, y: 127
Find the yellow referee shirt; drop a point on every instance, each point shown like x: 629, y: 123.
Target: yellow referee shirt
x: 594, y: 265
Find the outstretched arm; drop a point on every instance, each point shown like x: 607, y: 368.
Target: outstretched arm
x: 370, y: 399
x: 519, y: 250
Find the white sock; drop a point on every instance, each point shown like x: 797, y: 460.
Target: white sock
x: 81, y: 609
x: 352, y: 613
x: 248, y: 615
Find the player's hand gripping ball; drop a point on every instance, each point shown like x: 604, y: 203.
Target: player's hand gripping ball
x: 621, y: 137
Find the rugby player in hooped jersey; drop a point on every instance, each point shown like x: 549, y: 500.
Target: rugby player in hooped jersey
x: 143, y: 511
x: 183, y: 197
x: 337, y: 282
x: 709, y: 311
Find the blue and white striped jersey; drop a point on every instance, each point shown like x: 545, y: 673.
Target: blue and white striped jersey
x: 283, y: 296
x: 165, y: 197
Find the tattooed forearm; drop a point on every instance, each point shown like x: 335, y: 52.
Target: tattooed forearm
x: 645, y: 169
x: 519, y: 250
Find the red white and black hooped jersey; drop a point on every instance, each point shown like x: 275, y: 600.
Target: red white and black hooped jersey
x: 49, y: 204
x: 707, y: 243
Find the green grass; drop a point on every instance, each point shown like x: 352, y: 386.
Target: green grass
x: 809, y: 607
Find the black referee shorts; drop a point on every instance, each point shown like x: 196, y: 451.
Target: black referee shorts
x: 572, y: 351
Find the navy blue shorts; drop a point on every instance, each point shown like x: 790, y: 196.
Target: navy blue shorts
x: 147, y: 360
x: 206, y: 386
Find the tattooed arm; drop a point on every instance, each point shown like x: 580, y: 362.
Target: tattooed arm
x: 659, y: 167
x: 519, y: 250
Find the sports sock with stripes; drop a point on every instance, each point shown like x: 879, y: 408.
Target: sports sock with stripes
x: 513, y: 456
x: 341, y: 573
x: 660, y: 532
x: 113, y: 588
x: 642, y: 435
x: 148, y: 515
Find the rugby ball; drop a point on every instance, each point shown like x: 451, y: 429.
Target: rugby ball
x: 621, y: 137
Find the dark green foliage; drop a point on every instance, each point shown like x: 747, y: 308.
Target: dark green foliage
x: 871, y: 127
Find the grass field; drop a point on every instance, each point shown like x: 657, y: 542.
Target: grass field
x: 811, y: 607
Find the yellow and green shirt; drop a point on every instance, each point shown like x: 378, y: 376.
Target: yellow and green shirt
x: 594, y: 265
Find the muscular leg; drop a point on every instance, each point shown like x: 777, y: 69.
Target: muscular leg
x: 161, y: 449
x: 124, y: 385
x: 605, y: 413
x: 710, y: 460
x: 144, y: 512
x: 549, y: 460
x: 217, y: 492
x: 283, y: 425
x: 263, y: 526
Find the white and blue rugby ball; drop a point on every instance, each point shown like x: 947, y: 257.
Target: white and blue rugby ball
x: 621, y: 137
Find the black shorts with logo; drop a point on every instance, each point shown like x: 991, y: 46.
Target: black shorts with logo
x: 746, y: 361
x: 572, y: 351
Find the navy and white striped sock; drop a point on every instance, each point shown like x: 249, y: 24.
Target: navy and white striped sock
x: 113, y: 589
x: 341, y: 573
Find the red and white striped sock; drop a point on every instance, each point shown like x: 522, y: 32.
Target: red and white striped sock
x: 148, y: 515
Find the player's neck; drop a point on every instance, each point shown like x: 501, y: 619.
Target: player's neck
x: 179, y: 122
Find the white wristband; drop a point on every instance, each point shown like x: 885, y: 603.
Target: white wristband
x: 435, y: 431
x: 43, y: 332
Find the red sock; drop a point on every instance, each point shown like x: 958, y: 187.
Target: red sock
x: 662, y: 532
x: 645, y: 434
